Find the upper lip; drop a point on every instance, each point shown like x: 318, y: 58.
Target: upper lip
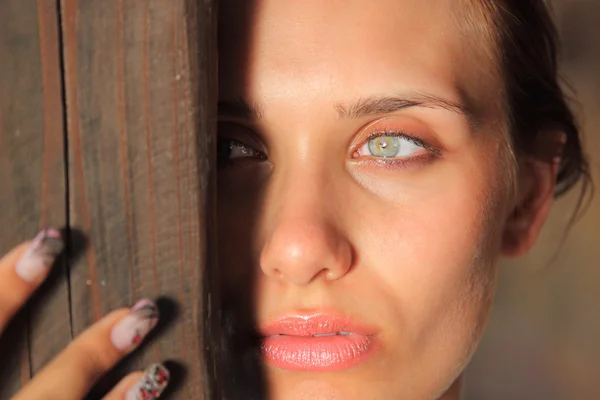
x: 316, y: 323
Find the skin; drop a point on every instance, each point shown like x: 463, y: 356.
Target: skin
x: 305, y: 224
x: 83, y: 362
x: 309, y: 220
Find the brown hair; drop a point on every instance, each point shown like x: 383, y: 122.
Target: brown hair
x: 537, y: 104
x: 526, y: 50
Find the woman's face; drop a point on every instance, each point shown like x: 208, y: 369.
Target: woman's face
x: 361, y: 189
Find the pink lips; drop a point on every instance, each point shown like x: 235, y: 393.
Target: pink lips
x: 317, y: 342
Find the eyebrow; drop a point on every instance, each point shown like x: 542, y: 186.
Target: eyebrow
x: 364, y: 107
x: 372, y: 106
x: 239, y: 108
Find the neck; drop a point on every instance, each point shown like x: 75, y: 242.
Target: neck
x: 453, y: 393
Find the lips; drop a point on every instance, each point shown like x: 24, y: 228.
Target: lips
x: 317, y: 342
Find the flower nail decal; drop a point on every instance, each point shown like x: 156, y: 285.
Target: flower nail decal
x: 151, y: 385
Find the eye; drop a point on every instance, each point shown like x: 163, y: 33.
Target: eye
x: 238, y: 145
x: 229, y: 150
x: 390, y: 145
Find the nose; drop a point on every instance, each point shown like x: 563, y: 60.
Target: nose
x: 305, y: 244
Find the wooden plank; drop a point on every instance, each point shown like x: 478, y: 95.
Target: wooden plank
x: 140, y: 90
x: 32, y: 176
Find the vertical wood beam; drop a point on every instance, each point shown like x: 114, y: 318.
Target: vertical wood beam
x: 140, y: 139
x: 32, y: 174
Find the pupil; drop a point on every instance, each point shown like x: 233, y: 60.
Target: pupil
x: 386, y: 146
x: 224, y: 148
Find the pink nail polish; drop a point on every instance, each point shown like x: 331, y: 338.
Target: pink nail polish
x: 134, y: 327
x: 40, y: 255
x: 151, y: 385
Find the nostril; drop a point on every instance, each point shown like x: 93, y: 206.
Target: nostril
x: 301, y: 251
x: 277, y: 274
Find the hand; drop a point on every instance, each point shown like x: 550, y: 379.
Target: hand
x: 96, y: 350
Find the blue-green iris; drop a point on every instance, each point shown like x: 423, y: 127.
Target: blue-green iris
x: 384, y: 146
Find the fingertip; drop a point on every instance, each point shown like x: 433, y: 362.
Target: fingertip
x: 151, y: 384
x: 93, y: 353
x: 131, y: 330
x: 24, y: 268
x: 35, y: 261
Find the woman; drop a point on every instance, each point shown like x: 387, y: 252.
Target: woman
x: 376, y: 160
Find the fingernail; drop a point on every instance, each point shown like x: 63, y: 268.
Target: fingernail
x: 151, y: 385
x: 134, y: 327
x: 40, y: 255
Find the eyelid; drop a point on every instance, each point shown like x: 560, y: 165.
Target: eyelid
x: 373, y: 130
x: 246, y: 135
x: 395, y: 133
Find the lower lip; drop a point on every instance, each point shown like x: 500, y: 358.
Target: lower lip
x: 325, y: 353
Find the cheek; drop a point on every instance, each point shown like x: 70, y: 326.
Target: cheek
x: 433, y: 254
x: 429, y: 254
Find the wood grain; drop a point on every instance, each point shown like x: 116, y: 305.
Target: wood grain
x: 140, y: 80
x: 32, y: 176
x: 140, y: 90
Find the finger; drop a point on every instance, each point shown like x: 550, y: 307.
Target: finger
x: 24, y: 268
x: 92, y: 354
x: 148, y: 385
x: 127, y: 383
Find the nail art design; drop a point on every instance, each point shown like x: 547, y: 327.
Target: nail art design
x: 151, y: 385
x: 132, y: 329
x: 40, y: 255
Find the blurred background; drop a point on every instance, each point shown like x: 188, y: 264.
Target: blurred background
x: 543, y: 341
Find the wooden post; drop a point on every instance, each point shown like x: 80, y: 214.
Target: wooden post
x: 107, y: 128
x: 32, y: 176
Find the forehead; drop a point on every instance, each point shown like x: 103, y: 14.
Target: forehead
x: 273, y: 50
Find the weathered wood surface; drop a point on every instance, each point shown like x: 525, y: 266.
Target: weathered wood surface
x: 134, y: 102
x: 135, y: 116
x: 32, y: 176
x: 138, y: 179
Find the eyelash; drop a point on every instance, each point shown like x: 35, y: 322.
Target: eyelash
x: 395, y: 133
x: 432, y: 152
x: 234, y: 143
